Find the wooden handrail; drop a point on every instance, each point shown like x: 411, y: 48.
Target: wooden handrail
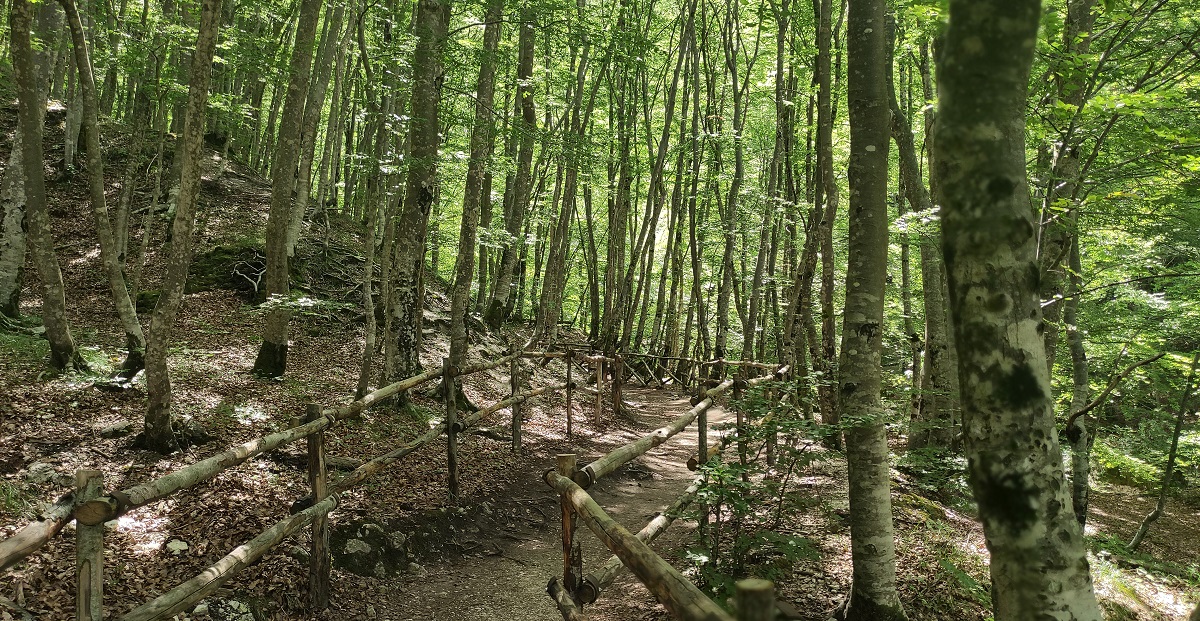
x: 594, y: 582
x: 35, y: 534
x: 680, y: 597
x: 200, y: 586
x: 605, y: 465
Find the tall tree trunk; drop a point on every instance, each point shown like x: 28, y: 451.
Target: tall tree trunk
x: 432, y: 17
x: 272, y: 355
x: 110, y: 255
x: 482, y: 139
x: 1039, y: 565
x: 12, y: 185
x: 30, y: 101
x: 157, y: 433
x: 873, y: 592
x: 514, y: 219
x: 827, y: 203
x: 314, y: 104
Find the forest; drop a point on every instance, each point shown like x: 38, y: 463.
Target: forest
x: 871, y: 309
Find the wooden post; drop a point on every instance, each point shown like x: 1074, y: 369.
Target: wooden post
x: 89, y: 552
x: 564, y: 464
x: 451, y: 430
x: 570, y: 416
x: 755, y: 600
x: 319, y: 557
x: 515, y: 381
x: 618, y: 382
x: 702, y: 453
x: 599, y: 390
x: 738, y: 393
x: 772, y: 427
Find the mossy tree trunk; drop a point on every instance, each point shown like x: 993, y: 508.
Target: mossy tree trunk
x: 1039, y: 564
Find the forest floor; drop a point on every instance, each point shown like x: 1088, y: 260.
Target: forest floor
x: 487, y: 557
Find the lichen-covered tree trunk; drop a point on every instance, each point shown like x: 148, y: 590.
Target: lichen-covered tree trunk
x: 30, y: 100
x: 432, y: 17
x: 825, y: 211
x: 110, y: 254
x: 1039, y: 564
x: 272, y: 355
x: 157, y: 433
x: 873, y: 592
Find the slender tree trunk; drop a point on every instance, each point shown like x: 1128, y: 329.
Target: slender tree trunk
x: 314, y: 104
x: 272, y: 355
x: 63, y: 352
x: 514, y: 220
x: 873, y: 592
x: 157, y: 433
x: 482, y: 139
x: 110, y: 255
x: 1039, y: 564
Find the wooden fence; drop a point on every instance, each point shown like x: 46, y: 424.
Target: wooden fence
x: 90, y: 506
x: 755, y: 598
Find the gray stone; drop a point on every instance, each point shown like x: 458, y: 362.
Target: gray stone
x: 396, y: 541
x: 177, y: 547
x: 117, y: 430
x: 417, y: 570
x: 40, y: 472
x: 357, y: 547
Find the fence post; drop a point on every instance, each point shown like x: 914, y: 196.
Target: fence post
x: 515, y: 381
x: 565, y: 466
x: 738, y: 393
x: 755, y: 600
x: 451, y: 430
x: 702, y: 456
x: 599, y: 389
x: 319, y: 558
x: 618, y: 382
x: 570, y: 358
x: 89, y: 552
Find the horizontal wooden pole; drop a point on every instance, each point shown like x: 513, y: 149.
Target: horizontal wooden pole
x: 36, y: 534
x: 357, y: 407
x: 544, y: 354
x: 620, y: 456
x: 595, y: 582
x: 114, y: 505
x: 487, y: 366
x: 680, y: 597
x: 739, y: 363
x: 377, y: 464
x: 203, y: 584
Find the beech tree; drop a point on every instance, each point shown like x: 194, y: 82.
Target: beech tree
x: 1039, y: 565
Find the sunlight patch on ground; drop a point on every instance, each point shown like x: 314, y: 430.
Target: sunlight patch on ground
x: 1138, y: 590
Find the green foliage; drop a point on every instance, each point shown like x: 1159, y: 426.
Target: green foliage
x: 749, y: 511
x: 13, y: 500
x: 1119, y: 467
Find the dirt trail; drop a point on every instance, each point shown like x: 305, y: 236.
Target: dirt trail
x: 508, y: 581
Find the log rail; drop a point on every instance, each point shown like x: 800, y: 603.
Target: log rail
x: 90, y: 506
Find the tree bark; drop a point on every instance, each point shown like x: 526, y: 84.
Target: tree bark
x: 514, y: 218
x: 432, y: 17
x: 110, y: 255
x: 157, y: 433
x: 30, y: 101
x: 873, y: 592
x: 1039, y: 565
x: 272, y: 355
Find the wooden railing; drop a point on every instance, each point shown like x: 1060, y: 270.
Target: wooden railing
x: 90, y: 507
x: 677, y: 594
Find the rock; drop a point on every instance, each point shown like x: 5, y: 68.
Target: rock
x: 417, y: 570
x: 356, y: 547
x: 117, y: 430
x: 112, y: 524
x: 177, y: 546
x: 396, y: 541
x: 299, y: 553
x: 380, y: 570
x: 40, y: 472
x: 201, y: 609
x: 231, y: 610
